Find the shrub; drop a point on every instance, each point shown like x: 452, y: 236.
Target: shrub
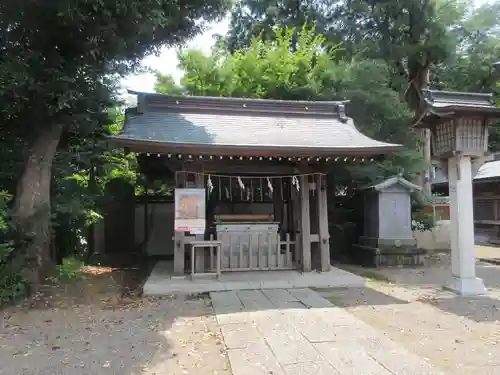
x: 70, y: 268
x: 422, y: 221
x: 12, y: 284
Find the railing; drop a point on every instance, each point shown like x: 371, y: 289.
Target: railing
x: 487, y: 210
x: 255, y: 251
x: 439, y: 208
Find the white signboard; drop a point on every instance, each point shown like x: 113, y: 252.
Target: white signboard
x: 190, y: 211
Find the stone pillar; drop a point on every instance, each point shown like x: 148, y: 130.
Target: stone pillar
x: 463, y: 253
x: 305, y: 223
x: 324, y: 235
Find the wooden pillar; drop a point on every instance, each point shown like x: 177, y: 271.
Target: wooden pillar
x: 179, y: 236
x: 147, y: 224
x: 305, y: 223
x: 296, y: 226
x: 324, y: 235
x: 200, y: 252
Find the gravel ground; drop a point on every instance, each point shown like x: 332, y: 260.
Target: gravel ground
x: 112, y: 335
x: 459, y: 335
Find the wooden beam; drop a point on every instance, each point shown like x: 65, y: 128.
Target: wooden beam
x: 226, y: 166
x: 305, y: 224
x: 296, y: 226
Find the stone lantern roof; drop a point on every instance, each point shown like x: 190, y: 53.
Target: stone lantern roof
x: 439, y: 104
x: 394, y: 181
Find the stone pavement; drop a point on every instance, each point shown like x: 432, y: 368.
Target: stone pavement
x: 297, y: 332
x: 488, y: 254
x: 162, y: 281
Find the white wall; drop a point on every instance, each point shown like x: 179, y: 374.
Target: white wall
x: 436, y: 239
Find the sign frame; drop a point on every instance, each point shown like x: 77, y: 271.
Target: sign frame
x: 190, y: 210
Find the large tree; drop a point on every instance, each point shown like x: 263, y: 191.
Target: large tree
x: 59, y: 67
x: 439, y: 43
x: 261, y: 18
x: 270, y: 68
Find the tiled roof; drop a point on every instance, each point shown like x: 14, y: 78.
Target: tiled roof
x: 395, y: 180
x: 451, y: 103
x: 489, y: 170
x: 230, y: 122
x: 440, y: 99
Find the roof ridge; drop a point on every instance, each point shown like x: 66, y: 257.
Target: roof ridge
x: 152, y: 101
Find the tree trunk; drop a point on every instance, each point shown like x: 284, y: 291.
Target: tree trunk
x: 32, y: 210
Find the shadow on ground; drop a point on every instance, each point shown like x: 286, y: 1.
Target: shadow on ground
x: 100, y: 324
x: 427, y: 285
x: 479, y: 309
x: 352, y: 297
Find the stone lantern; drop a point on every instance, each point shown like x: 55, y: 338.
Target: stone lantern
x: 459, y: 137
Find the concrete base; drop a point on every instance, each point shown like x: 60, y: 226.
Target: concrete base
x: 388, y: 243
x: 466, y: 286
x: 375, y: 257
x: 162, y: 282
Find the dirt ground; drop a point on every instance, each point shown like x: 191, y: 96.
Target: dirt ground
x: 106, y: 328
x: 101, y: 325
x: 459, y: 335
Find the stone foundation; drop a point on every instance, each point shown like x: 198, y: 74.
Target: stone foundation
x: 376, y: 252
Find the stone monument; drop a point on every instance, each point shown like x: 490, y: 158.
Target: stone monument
x: 387, y: 228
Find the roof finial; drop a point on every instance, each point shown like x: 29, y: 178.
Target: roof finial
x: 341, y: 111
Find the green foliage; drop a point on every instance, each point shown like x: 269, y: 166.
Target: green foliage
x: 296, y: 66
x: 6, y: 247
x: 469, y: 67
x: 60, y: 66
x: 12, y: 285
x: 259, y: 19
x: 166, y: 85
x: 266, y: 69
x: 70, y: 268
x: 81, y: 175
x: 61, y: 60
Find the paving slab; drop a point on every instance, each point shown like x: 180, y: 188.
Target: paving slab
x: 322, y: 325
x: 291, y: 347
x: 254, y: 360
x: 310, y: 298
x: 241, y: 335
x: 233, y: 318
x: 351, y: 359
x: 310, y: 368
x: 297, y: 332
x: 255, y: 299
x: 279, y: 296
x: 285, y: 340
x: 225, y: 299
